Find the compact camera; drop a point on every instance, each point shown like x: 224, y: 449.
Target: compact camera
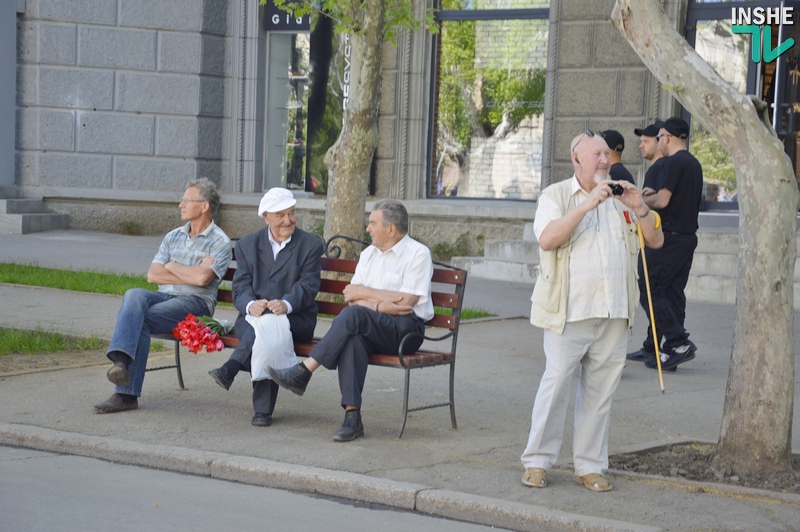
x: 616, y: 189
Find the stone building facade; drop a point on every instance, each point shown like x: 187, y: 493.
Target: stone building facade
x: 120, y: 102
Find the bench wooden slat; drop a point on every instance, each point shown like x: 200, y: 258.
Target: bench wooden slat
x: 333, y: 286
x: 420, y: 358
x: 339, y: 265
x: 443, y: 321
x: 225, y: 296
x: 445, y: 300
x: 442, y: 275
x: 330, y: 307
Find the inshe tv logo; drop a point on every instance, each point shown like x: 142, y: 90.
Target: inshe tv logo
x: 756, y: 21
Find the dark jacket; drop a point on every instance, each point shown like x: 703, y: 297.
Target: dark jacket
x: 294, y: 277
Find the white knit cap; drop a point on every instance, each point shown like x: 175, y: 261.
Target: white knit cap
x: 275, y: 200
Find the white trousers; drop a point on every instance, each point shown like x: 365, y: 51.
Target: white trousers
x: 597, y: 347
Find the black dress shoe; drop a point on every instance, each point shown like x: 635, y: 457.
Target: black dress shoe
x: 220, y: 376
x: 261, y: 420
x: 676, y: 357
x: 651, y: 363
x: 295, y: 378
x: 117, y: 403
x: 119, y: 374
x: 641, y: 355
x: 351, y: 428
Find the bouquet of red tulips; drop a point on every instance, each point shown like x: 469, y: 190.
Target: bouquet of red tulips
x: 199, y: 333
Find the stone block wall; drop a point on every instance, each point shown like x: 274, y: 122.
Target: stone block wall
x: 124, y: 95
x: 599, y: 83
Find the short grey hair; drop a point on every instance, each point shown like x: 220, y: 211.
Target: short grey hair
x: 207, y: 191
x: 393, y: 213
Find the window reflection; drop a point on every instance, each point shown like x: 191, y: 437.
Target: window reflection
x: 728, y: 53
x: 490, y: 102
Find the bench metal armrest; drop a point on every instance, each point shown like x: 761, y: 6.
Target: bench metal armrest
x: 401, y: 351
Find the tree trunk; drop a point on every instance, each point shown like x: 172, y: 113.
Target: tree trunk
x: 756, y: 426
x: 350, y: 158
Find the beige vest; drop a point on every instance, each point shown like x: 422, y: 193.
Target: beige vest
x: 549, y: 299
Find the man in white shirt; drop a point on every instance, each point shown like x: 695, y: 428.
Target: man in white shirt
x: 584, y: 299
x: 389, y: 297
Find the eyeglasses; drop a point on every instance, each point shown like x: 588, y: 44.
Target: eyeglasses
x: 187, y: 200
x: 658, y: 137
x: 586, y: 133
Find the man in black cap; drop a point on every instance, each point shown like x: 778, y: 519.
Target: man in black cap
x: 616, y: 143
x: 676, y: 197
x: 650, y: 150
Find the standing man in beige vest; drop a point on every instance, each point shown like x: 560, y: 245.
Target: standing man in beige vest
x: 584, y: 299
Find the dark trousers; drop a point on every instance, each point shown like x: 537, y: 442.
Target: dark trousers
x: 669, y: 272
x: 265, y: 392
x: 356, y: 333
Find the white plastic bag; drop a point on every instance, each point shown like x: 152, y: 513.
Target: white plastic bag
x: 273, y: 345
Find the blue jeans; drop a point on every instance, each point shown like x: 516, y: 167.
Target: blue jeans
x: 144, y: 313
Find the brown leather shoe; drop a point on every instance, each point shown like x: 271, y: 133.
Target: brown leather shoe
x: 116, y: 403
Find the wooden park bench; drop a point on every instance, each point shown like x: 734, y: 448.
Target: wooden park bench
x: 447, y: 295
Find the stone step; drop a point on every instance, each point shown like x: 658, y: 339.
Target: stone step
x: 722, y: 241
x: 705, y: 287
x: 521, y: 250
x: 21, y: 224
x: 10, y: 192
x: 515, y: 271
x: 723, y: 263
x: 21, y: 206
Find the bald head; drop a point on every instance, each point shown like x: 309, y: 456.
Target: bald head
x: 590, y: 158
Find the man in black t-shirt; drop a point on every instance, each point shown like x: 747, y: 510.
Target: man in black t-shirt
x: 676, y: 197
x: 650, y: 150
x: 616, y: 143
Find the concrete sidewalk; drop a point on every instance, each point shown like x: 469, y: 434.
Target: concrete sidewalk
x: 471, y: 474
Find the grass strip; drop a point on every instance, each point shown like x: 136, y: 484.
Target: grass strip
x: 32, y: 342
x: 115, y: 283
x: 97, y: 282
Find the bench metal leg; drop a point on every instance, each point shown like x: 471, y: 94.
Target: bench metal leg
x: 178, y: 365
x: 405, y: 404
x: 452, y: 395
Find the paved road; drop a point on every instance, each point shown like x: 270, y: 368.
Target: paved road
x: 48, y: 491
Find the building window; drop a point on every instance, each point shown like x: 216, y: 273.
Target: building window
x: 287, y: 103
x: 709, y: 30
x: 489, y: 82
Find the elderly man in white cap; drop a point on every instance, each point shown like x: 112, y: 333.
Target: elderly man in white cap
x: 277, y: 271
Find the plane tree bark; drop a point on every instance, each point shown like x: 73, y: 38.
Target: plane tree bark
x: 755, y: 436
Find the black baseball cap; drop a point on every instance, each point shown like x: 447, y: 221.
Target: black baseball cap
x: 614, y: 139
x: 677, y: 127
x: 651, y: 130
